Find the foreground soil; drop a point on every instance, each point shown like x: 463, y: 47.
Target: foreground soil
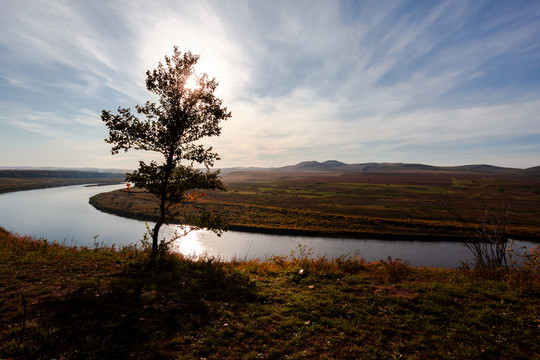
x: 62, y: 303
x: 385, y: 205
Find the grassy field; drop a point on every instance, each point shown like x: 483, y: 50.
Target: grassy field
x: 62, y: 303
x: 18, y: 180
x: 376, y: 205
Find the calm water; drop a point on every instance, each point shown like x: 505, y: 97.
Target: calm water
x: 64, y: 214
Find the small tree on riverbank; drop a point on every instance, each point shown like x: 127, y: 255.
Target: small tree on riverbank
x: 182, y: 116
x: 488, y: 236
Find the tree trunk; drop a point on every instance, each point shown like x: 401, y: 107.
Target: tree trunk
x: 155, y: 236
x: 169, y: 166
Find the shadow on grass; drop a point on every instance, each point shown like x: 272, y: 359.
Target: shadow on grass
x: 135, y: 314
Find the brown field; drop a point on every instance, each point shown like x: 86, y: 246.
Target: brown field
x: 401, y: 205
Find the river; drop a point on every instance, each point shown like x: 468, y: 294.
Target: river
x: 64, y: 214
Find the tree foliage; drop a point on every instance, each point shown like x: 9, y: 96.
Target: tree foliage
x: 172, y: 127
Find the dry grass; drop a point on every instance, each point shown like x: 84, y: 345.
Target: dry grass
x: 348, y: 207
x: 59, y: 302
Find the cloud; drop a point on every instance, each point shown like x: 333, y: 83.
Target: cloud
x: 302, y: 79
x: 66, y: 45
x: 50, y: 124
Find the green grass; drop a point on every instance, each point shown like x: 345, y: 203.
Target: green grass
x: 59, y: 302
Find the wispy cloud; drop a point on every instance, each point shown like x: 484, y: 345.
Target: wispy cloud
x: 51, y: 125
x: 318, y: 79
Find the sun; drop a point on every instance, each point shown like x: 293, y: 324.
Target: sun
x: 191, y: 83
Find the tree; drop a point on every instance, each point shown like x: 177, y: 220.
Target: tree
x: 182, y: 116
x: 488, y: 236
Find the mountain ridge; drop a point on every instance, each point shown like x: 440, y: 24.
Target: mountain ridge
x: 335, y: 166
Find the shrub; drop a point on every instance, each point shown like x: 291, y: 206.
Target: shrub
x: 396, y: 270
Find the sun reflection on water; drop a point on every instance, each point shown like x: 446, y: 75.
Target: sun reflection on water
x: 188, y: 242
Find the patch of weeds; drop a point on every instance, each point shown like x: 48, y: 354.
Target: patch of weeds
x: 396, y: 270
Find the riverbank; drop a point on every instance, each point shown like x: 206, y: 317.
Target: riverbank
x: 62, y: 302
x: 21, y: 180
x: 125, y: 207
x: 327, y: 217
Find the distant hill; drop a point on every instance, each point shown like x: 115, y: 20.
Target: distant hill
x: 227, y: 171
x: 54, y: 168
x: 395, y: 167
x: 308, y: 166
x: 532, y: 171
x: 328, y: 167
x: 66, y: 174
x: 334, y: 166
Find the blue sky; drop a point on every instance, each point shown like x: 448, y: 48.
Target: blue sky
x: 434, y: 82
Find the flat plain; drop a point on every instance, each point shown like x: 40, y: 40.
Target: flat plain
x: 402, y: 205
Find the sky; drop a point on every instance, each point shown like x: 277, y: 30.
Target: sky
x: 433, y: 82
